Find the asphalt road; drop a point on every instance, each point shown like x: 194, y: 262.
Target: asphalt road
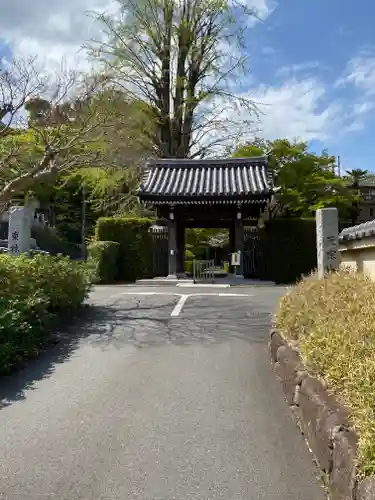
x: 137, y: 404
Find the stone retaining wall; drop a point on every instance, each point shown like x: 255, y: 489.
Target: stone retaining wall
x: 323, y: 422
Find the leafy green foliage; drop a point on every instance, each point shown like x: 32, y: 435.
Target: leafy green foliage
x: 188, y: 266
x: 104, y: 257
x: 307, y: 181
x: 200, y: 240
x: 34, y: 291
x: 84, y: 126
x: 135, y: 244
x: 189, y: 257
x: 355, y: 177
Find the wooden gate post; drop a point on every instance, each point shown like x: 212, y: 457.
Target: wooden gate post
x: 172, y: 247
x: 239, y: 242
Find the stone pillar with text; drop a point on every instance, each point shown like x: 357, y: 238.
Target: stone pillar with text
x: 19, y: 230
x: 327, y: 240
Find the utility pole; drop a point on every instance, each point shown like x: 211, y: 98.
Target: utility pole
x: 338, y: 166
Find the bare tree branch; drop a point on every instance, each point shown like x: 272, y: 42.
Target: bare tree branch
x: 175, y: 55
x: 19, y: 80
x: 65, y: 129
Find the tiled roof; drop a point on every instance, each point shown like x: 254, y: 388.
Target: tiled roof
x: 358, y: 232
x: 184, y: 180
x: 367, y: 181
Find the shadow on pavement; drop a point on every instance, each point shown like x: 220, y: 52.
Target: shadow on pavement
x: 114, y: 326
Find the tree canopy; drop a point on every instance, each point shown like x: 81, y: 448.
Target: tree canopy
x: 306, y: 181
x: 75, y: 122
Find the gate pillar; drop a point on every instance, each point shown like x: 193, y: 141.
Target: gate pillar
x: 239, y: 242
x: 172, y: 247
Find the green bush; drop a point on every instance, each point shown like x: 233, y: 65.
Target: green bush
x: 200, y: 251
x: 33, y: 292
x: 189, y: 255
x: 288, y: 249
x: 333, y: 323
x: 135, y: 244
x: 49, y: 240
x: 103, y: 259
x: 188, y: 266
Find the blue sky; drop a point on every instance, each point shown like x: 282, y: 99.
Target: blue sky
x: 312, y: 64
x: 333, y: 45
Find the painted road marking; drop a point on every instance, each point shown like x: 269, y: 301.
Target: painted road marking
x: 180, y: 304
x: 203, y: 285
x: 183, y: 297
x: 213, y: 294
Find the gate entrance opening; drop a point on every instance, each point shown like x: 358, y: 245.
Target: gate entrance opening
x: 228, y: 193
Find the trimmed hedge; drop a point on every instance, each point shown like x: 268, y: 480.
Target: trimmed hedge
x: 34, y: 291
x: 103, y: 260
x: 189, y: 255
x: 135, y: 260
x: 288, y: 248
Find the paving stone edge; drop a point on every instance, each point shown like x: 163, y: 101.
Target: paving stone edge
x: 322, y: 421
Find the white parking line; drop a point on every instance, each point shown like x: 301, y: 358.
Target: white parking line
x: 234, y: 294
x: 180, y: 304
x: 183, y: 297
x: 203, y: 285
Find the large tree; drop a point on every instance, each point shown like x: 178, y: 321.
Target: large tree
x: 306, y: 181
x: 355, y: 178
x: 44, y: 144
x: 180, y: 58
x: 51, y: 127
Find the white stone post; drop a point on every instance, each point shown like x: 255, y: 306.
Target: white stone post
x: 327, y: 240
x: 19, y: 232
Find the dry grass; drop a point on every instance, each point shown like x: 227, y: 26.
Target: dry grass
x: 333, y: 322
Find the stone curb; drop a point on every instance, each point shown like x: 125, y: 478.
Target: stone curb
x: 323, y: 422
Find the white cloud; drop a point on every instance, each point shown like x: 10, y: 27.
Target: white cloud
x: 360, y: 72
x: 298, y: 107
x: 262, y: 8
x: 57, y: 28
x: 51, y: 29
x: 294, y: 110
x: 363, y: 107
x: 267, y: 50
x: 295, y: 69
x: 359, y: 79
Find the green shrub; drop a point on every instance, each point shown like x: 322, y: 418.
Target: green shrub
x: 189, y: 255
x: 200, y: 251
x: 333, y: 323
x: 135, y: 244
x: 287, y: 248
x: 49, y: 240
x: 103, y: 257
x: 33, y: 292
x: 188, y: 266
